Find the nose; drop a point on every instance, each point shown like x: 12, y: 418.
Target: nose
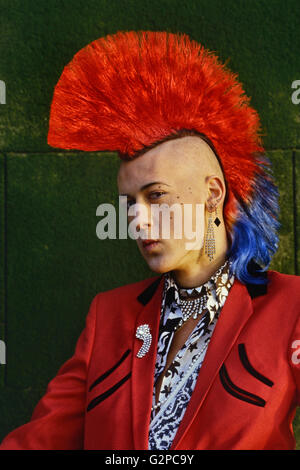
x: 143, y: 222
x: 139, y: 216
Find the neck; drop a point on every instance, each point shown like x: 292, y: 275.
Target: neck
x: 197, y: 272
x: 194, y: 272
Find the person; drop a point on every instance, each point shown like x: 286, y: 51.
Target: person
x: 205, y: 354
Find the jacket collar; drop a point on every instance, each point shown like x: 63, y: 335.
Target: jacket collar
x: 254, y: 290
x: 147, y: 294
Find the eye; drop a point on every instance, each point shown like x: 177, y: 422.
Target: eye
x: 130, y: 202
x: 156, y: 194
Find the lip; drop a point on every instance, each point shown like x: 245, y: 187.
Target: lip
x: 149, y: 245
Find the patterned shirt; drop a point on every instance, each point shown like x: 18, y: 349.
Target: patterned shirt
x: 180, y: 379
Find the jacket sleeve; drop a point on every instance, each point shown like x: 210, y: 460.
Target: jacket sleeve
x: 294, y: 357
x: 57, y: 422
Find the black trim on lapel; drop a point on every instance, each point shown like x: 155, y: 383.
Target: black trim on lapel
x: 148, y: 293
x: 255, y: 290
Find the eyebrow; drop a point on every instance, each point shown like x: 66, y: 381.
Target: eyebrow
x: 145, y: 186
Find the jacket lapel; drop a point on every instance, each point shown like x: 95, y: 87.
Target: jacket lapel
x: 143, y: 368
x: 234, y: 315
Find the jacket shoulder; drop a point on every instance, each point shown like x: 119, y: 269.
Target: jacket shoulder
x: 289, y: 281
x: 287, y: 286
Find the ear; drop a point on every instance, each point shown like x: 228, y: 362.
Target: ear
x: 216, y: 191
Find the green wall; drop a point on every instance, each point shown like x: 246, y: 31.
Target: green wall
x: 51, y: 262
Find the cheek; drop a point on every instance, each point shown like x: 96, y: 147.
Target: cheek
x: 175, y: 247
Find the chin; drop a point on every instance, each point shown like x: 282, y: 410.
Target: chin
x: 159, y: 266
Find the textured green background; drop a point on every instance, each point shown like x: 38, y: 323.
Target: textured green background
x: 51, y: 262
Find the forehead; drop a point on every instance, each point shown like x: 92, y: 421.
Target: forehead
x: 170, y: 162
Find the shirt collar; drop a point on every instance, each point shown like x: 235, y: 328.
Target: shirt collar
x: 217, y: 289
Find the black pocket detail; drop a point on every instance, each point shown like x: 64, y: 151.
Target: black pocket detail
x: 245, y: 361
x: 107, y: 394
x: 238, y: 392
x: 108, y: 372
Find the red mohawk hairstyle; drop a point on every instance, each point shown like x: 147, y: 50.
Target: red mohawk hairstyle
x: 126, y: 91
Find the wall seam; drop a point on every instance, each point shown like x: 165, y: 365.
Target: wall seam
x: 5, y: 264
x: 295, y: 221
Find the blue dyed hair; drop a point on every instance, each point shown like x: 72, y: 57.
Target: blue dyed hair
x: 255, y: 232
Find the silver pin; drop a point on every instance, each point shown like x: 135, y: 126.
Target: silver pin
x: 143, y: 333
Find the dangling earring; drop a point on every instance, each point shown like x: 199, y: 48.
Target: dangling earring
x: 210, y: 244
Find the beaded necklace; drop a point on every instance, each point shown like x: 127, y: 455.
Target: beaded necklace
x: 191, y: 307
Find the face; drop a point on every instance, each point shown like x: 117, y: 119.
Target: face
x: 174, y: 172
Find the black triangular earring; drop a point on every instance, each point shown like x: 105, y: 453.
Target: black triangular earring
x: 217, y: 221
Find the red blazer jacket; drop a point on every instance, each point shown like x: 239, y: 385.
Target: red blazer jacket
x: 245, y: 397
